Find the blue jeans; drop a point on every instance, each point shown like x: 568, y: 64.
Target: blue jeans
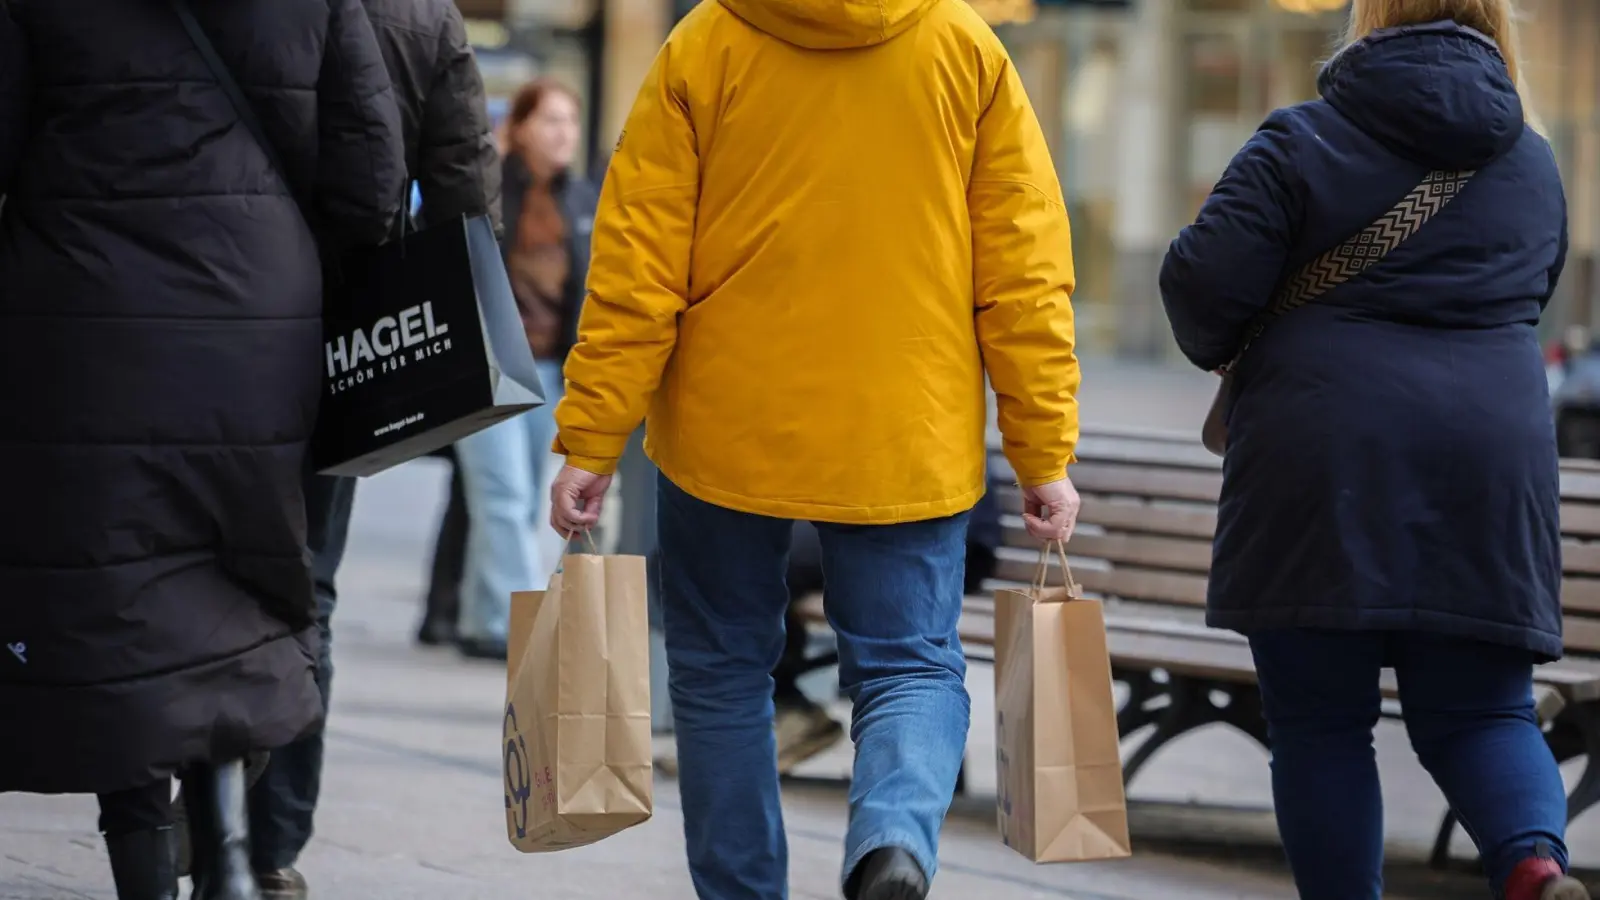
x: 1469, y: 711
x: 894, y: 598
x: 283, y: 801
x: 506, y: 472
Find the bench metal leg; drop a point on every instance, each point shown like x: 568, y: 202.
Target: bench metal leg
x: 1142, y: 706
x: 1189, y: 705
x: 1187, y: 709
x: 1576, y: 733
x: 1586, y: 793
x: 1244, y: 713
x: 1440, y: 857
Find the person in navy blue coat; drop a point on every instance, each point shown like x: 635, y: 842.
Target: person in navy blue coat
x: 1390, y: 492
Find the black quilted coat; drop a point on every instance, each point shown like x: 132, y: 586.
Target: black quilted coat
x: 160, y: 347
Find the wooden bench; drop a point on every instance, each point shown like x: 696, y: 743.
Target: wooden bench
x: 1143, y: 546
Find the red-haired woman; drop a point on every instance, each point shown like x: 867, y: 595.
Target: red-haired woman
x: 506, y: 470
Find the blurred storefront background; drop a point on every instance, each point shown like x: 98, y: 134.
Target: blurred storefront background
x: 1144, y: 102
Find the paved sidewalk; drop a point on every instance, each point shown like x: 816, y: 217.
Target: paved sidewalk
x: 412, y: 804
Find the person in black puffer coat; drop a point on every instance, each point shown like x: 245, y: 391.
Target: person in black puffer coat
x: 160, y: 353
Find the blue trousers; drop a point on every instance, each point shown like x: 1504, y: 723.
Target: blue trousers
x: 1469, y: 711
x: 506, y: 473
x: 894, y: 598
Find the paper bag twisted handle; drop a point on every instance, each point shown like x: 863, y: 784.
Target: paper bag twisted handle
x: 1042, y: 573
x: 569, y: 538
x: 588, y: 538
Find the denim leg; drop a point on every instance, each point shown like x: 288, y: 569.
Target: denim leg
x: 502, y: 556
x: 894, y: 598
x: 283, y: 802
x: 723, y: 596
x: 1469, y: 710
x: 1319, y: 691
x: 546, y: 465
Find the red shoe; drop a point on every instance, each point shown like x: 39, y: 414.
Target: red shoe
x: 1541, y: 878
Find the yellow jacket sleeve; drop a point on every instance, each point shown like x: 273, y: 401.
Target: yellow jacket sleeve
x: 1022, y: 285
x: 638, y: 276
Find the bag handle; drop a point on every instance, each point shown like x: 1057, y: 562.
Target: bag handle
x: 1361, y: 251
x: 1041, y: 575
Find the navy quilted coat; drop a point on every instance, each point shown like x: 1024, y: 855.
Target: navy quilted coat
x: 160, y: 341
x: 1392, y: 462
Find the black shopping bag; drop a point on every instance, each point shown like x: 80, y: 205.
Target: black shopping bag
x: 422, y: 346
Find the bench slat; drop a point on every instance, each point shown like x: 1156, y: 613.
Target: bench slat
x: 1578, y: 519
x: 1128, y: 583
x: 1122, y: 516
x: 1146, y: 482
x: 1579, y: 483
x: 1580, y: 558
x: 1177, y: 554
x: 1141, y: 452
x: 1142, y: 637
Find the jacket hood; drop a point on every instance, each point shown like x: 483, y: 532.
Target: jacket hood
x: 1438, y: 94
x: 830, y: 24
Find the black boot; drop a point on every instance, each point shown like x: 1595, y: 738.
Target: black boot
x: 254, y: 766
x: 219, y: 833
x: 142, y: 865
x: 888, y: 873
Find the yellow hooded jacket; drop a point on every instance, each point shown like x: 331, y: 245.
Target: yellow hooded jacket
x: 824, y: 220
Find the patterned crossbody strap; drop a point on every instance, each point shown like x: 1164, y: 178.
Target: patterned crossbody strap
x: 1362, y: 251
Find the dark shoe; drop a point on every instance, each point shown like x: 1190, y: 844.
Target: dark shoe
x: 436, y: 632
x: 284, y: 884
x: 1540, y: 878
x: 888, y: 873
x: 142, y: 865
x: 219, y: 833
x: 480, y: 648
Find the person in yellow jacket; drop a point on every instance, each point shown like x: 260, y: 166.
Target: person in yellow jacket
x: 824, y: 222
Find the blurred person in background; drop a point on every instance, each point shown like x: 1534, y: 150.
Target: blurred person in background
x: 506, y: 470
x: 442, y: 601
x: 451, y: 154
x: 803, y: 282
x: 160, y: 352
x: 1390, y: 496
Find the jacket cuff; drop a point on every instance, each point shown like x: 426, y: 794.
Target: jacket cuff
x: 1033, y: 477
x: 594, y: 465
x: 1029, y: 481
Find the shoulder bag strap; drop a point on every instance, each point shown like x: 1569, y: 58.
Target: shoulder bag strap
x: 1361, y: 251
x: 241, y: 104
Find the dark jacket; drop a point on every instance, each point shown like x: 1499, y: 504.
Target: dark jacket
x: 160, y: 347
x: 578, y: 198
x: 450, y: 147
x: 1392, y: 461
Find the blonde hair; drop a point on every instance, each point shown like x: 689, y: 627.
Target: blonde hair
x: 1495, y: 19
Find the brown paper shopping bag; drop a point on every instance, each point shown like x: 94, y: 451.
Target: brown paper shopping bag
x: 1061, y: 797
x: 577, y: 724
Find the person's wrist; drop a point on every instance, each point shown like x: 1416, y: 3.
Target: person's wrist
x: 593, y: 465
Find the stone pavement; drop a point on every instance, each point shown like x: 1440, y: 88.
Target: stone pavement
x: 412, y: 804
